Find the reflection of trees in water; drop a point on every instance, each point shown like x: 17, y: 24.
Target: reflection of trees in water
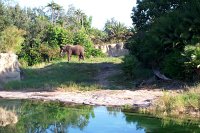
x: 113, y: 110
x: 40, y: 117
x: 154, y: 125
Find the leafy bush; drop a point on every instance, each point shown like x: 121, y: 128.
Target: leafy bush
x: 11, y: 39
x: 83, y: 39
x: 32, y: 56
x: 173, y: 65
x: 48, y: 52
x: 183, y: 65
x: 192, y: 64
x: 56, y: 36
x: 97, y: 53
x: 162, y: 38
x: 133, y: 69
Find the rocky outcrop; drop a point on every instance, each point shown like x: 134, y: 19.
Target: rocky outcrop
x: 113, y: 50
x: 9, y: 67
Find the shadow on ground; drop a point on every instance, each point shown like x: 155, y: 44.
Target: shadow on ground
x: 69, y: 76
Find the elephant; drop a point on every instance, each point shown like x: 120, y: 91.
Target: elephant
x: 72, y: 50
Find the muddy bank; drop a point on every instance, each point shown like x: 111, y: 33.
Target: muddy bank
x: 101, y: 97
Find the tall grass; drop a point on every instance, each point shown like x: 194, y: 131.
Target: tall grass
x: 187, y: 102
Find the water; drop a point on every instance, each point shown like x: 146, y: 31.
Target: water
x: 40, y: 117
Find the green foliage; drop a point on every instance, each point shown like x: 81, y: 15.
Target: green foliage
x: 55, y: 10
x: 48, y: 52
x: 163, y: 35
x: 173, y: 65
x: 98, y: 36
x: 83, y: 39
x: 11, y: 39
x: 38, y: 116
x: 45, y: 30
x: 56, y: 36
x: 186, y: 102
x: 31, y: 56
x: 133, y: 68
x: 116, y: 31
x: 97, y: 53
x: 192, y: 63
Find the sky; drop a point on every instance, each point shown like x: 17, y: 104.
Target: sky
x: 100, y: 10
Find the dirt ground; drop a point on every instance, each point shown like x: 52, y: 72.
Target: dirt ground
x: 100, y: 97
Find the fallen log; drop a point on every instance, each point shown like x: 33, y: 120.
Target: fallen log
x: 159, y: 75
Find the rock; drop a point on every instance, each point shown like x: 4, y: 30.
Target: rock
x: 142, y: 104
x: 113, y: 50
x: 9, y: 67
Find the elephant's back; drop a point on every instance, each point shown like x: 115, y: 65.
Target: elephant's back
x: 79, y: 47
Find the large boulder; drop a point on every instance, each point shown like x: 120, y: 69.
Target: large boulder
x: 9, y: 67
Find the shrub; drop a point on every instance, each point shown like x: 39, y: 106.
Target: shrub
x: 56, y: 36
x: 173, y: 65
x: 83, y: 39
x: 11, y: 39
x: 97, y: 53
x: 192, y: 64
x: 133, y: 68
x: 48, y: 53
x: 183, y: 65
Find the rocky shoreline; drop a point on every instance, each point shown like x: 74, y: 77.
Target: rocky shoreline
x: 140, y: 98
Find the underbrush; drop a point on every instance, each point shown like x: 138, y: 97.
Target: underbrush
x: 177, y: 104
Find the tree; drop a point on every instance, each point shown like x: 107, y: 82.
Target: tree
x: 116, y: 31
x: 163, y: 36
x: 55, y: 10
x: 146, y: 11
x: 98, y: 36
x: 79, y: 16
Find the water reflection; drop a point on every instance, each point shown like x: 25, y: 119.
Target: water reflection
x: 7, y: 117
x: 39, y: 117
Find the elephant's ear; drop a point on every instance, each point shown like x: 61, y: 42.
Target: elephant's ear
x: 61, y: 46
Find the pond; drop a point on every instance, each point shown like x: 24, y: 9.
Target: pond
x: 54, y: 117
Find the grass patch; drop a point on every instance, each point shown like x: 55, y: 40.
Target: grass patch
x: 61, y: 75
x: 187, y: 102
x: 120, y: 80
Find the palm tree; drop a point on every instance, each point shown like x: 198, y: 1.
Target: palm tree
x: 116, y: 30
x: 55, y: 10
x: 79, y: 16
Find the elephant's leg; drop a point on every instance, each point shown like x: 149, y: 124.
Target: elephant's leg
x: 68, y: 56
x: 79, y: 57
x: 83, y: 57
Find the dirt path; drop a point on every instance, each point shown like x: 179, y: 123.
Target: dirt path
x: 102, y: 97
